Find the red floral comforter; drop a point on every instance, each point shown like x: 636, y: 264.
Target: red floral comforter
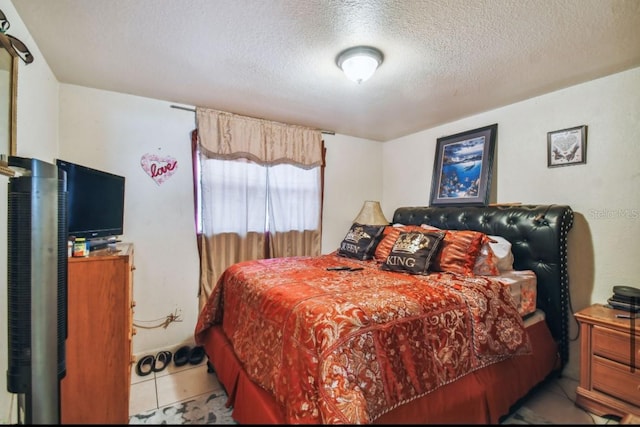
x: 348, y: 346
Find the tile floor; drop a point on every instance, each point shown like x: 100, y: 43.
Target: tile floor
x: 554, y: 401
x: 171, y: 385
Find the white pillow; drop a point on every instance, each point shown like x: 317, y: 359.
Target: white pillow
x: 501, y: 247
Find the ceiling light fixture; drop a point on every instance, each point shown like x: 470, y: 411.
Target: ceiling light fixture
x: 359, y: 62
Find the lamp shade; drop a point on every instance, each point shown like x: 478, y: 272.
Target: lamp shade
x: 359, y: 63
x: 371, y: 214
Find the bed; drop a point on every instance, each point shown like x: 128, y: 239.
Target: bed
x: 294, y: 343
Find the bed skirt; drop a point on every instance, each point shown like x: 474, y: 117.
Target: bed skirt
x: 481, y: 397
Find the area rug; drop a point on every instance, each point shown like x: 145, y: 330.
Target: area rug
x: 210, y: 409
x: 205, y: 409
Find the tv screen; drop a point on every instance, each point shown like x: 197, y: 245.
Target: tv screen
x: 95, y: 201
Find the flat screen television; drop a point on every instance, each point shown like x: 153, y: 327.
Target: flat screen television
x: 95, y: 202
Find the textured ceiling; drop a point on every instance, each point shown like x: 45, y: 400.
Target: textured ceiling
x: 443, y: 60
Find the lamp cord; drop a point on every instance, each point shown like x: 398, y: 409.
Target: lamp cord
x: 161, y: 323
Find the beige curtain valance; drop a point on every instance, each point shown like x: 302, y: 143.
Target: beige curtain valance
x: 228, y: 136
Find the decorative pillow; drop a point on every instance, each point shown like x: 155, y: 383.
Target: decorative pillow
x: 458, y: 251
x: 413, y: 251
x: 389, y: 237
x: 501, y: 247
x: 487, y: 261
x: 361, y: 241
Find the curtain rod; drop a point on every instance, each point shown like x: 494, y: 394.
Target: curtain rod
x: 193, y: 110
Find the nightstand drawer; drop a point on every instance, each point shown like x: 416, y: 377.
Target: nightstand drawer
x: 616, y: 379
x: 615, y: 345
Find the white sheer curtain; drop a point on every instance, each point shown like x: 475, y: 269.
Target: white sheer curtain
x: 234, y: 194
x: 295, y: 204
x: 260, y: 192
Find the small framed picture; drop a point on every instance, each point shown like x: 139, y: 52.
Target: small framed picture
x: 567, y: 146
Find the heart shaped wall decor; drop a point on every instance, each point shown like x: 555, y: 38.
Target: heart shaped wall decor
x: 159, y: 168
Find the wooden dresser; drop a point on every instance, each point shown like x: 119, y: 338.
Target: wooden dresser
x: 609, y: 362
x: 96, y: 387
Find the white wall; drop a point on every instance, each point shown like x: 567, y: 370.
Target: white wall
x: 603, y: 244
x: 37, y: 137
x: 352, y: 176
x: 111, y: 132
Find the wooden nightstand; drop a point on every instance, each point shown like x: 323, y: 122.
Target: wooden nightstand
x: 609, y: 362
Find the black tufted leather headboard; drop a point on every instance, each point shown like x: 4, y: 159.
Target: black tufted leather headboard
x: 538, y: 236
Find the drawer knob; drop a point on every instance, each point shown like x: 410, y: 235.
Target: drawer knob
x: 134, y: 331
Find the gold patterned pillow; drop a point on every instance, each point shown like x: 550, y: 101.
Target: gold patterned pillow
x: 389, y: 237
x: 413, y: 252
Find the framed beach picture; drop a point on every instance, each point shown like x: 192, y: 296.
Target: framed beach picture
x: 567, y: 146
x: 462, y: 168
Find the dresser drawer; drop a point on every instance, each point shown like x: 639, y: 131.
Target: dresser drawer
x: 616, y: 379
x: 615, y: 345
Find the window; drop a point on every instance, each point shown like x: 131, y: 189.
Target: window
x: 242, y: 196
x: 258, y: 187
